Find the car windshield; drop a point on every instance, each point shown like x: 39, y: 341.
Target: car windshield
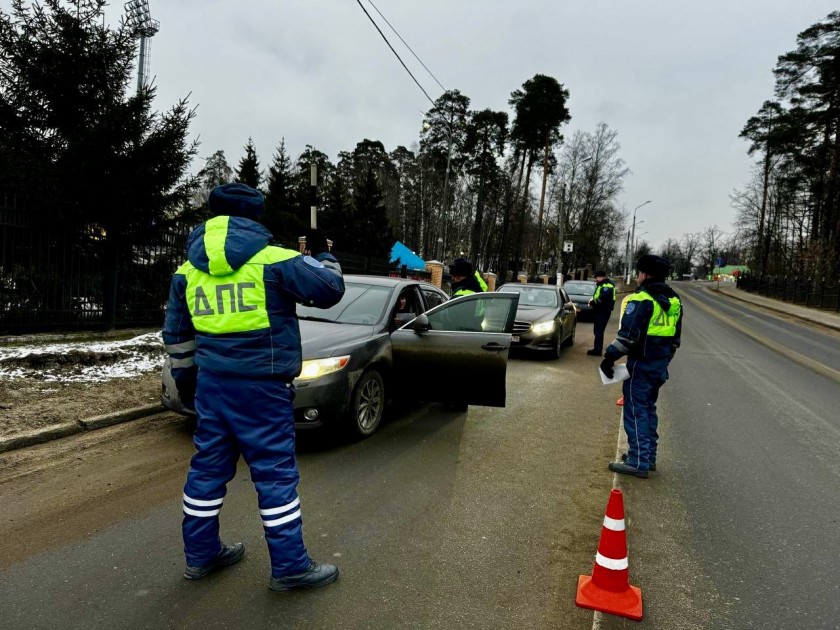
x: 579, y: 288
x: 361, y: 304
x: 533, y: 296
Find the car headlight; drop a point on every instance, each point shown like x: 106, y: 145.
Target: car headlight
x: 543, y: 328
x: 316, y: 368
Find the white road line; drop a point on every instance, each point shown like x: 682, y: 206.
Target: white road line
x: 598, y: 615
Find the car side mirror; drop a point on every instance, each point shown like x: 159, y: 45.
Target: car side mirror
x: 421, y: 324
x: 401, y: 319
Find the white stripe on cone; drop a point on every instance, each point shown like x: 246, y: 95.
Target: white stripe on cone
x: 614, y: 524
x: 611, y: 563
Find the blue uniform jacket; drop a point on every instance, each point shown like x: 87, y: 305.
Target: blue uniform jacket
x: 271, y: 352
x: 633, y: 339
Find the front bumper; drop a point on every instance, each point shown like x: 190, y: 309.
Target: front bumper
x: 327, y: 397
x: 530, y: 341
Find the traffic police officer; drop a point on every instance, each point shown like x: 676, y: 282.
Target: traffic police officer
x: 465, y: 279
x: 602, y: 303
x: 651, y: 326
x: 231, y: 317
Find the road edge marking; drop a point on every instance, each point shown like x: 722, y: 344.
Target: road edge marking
x: 804, y: 361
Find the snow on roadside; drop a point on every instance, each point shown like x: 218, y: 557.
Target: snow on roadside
x: 84, y: 362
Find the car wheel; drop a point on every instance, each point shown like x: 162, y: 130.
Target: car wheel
x: 368, y: 404
x: 558, y: 345
x: 571, y: 339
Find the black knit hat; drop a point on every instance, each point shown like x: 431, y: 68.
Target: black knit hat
x: 236, y: 200
x: 599, y: 274
x: 654, y: 266
x: 461, y: 267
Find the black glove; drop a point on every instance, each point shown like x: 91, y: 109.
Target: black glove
x: 607, y: 367
x: 316, y: 242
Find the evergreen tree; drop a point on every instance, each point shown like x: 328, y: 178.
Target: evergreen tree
x: 540, y: 110
x: 215, y: 172
x: 280, y: 216
x: 486, y: 139
x: 88, y: 152
x: 74, y: 136
x: 372, y: 235
x: 248, y: 172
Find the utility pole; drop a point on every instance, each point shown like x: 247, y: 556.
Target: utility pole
x: 562, y: 221
x: 313, y: 196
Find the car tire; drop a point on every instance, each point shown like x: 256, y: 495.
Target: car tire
x: 558, y: 346
x: 367, y: 405
x: 570, y: 340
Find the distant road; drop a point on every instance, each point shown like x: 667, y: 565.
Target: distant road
x: 740, y: 528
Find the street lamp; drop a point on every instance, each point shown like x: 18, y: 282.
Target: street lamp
x: 636, y: 241
x: 562, y: 218
x: 633, y: 240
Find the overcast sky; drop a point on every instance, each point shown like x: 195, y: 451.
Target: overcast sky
x: 676, y: 79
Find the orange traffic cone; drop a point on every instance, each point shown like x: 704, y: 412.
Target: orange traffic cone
x: 620, y: 402
x: 608, y: 589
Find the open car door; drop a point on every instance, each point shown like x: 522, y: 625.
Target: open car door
x: 457, y: 352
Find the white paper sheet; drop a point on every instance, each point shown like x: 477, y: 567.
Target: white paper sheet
x: 620, y: 373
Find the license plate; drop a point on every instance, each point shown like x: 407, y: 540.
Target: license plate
x: 514, y: 338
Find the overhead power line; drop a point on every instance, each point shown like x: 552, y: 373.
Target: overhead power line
x: 406, y: 45
x: 362, y: 7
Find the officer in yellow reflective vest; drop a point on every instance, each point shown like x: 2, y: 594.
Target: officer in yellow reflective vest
x: 465, y: 279
x: 651, y: 327
x: 602, y: 303
x: 231, y: 329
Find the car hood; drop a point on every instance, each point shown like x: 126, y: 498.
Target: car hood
x: 322, y: 339
x: 534, y: 313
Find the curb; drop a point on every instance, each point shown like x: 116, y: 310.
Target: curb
x: 72, y: 428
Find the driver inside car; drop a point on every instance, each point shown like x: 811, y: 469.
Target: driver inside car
x: 404, y: 312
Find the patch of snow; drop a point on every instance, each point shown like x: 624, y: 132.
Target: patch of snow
x: 135, y: 356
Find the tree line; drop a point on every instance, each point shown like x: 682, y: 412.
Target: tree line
x: 92, y: 157
x: 788, y: 213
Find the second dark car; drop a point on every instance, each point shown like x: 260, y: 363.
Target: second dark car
x: 580, y: 292
x: 545, y: 318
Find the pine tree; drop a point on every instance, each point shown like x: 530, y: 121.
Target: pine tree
x: 248, y: 172
x: 371, y: 234
x: 280, y: 216
x: 89, y: 153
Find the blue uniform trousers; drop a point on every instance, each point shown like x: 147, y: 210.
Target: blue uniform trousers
x: 641, y: 391
x: 254, y: 418
x: 600, y: 321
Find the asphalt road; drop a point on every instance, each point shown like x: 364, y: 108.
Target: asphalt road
x: 440, y: 520
x: 476, y: 520
x: 739, y: 526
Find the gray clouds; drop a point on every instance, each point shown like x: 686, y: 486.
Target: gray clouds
x: 678, y: 80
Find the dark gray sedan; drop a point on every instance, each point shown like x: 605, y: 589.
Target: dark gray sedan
x: 581, y: 292
x: 389, y: 338
x: 546, y: 320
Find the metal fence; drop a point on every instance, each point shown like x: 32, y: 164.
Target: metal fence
x: 806, y: 292
x: 52, y: 280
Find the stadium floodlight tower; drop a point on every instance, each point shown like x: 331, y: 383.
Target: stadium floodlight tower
x: 140, y: 20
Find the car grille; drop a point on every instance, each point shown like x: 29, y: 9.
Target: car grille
x: 520, y: 328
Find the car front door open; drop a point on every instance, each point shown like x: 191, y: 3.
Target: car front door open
x: 457, y: 352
